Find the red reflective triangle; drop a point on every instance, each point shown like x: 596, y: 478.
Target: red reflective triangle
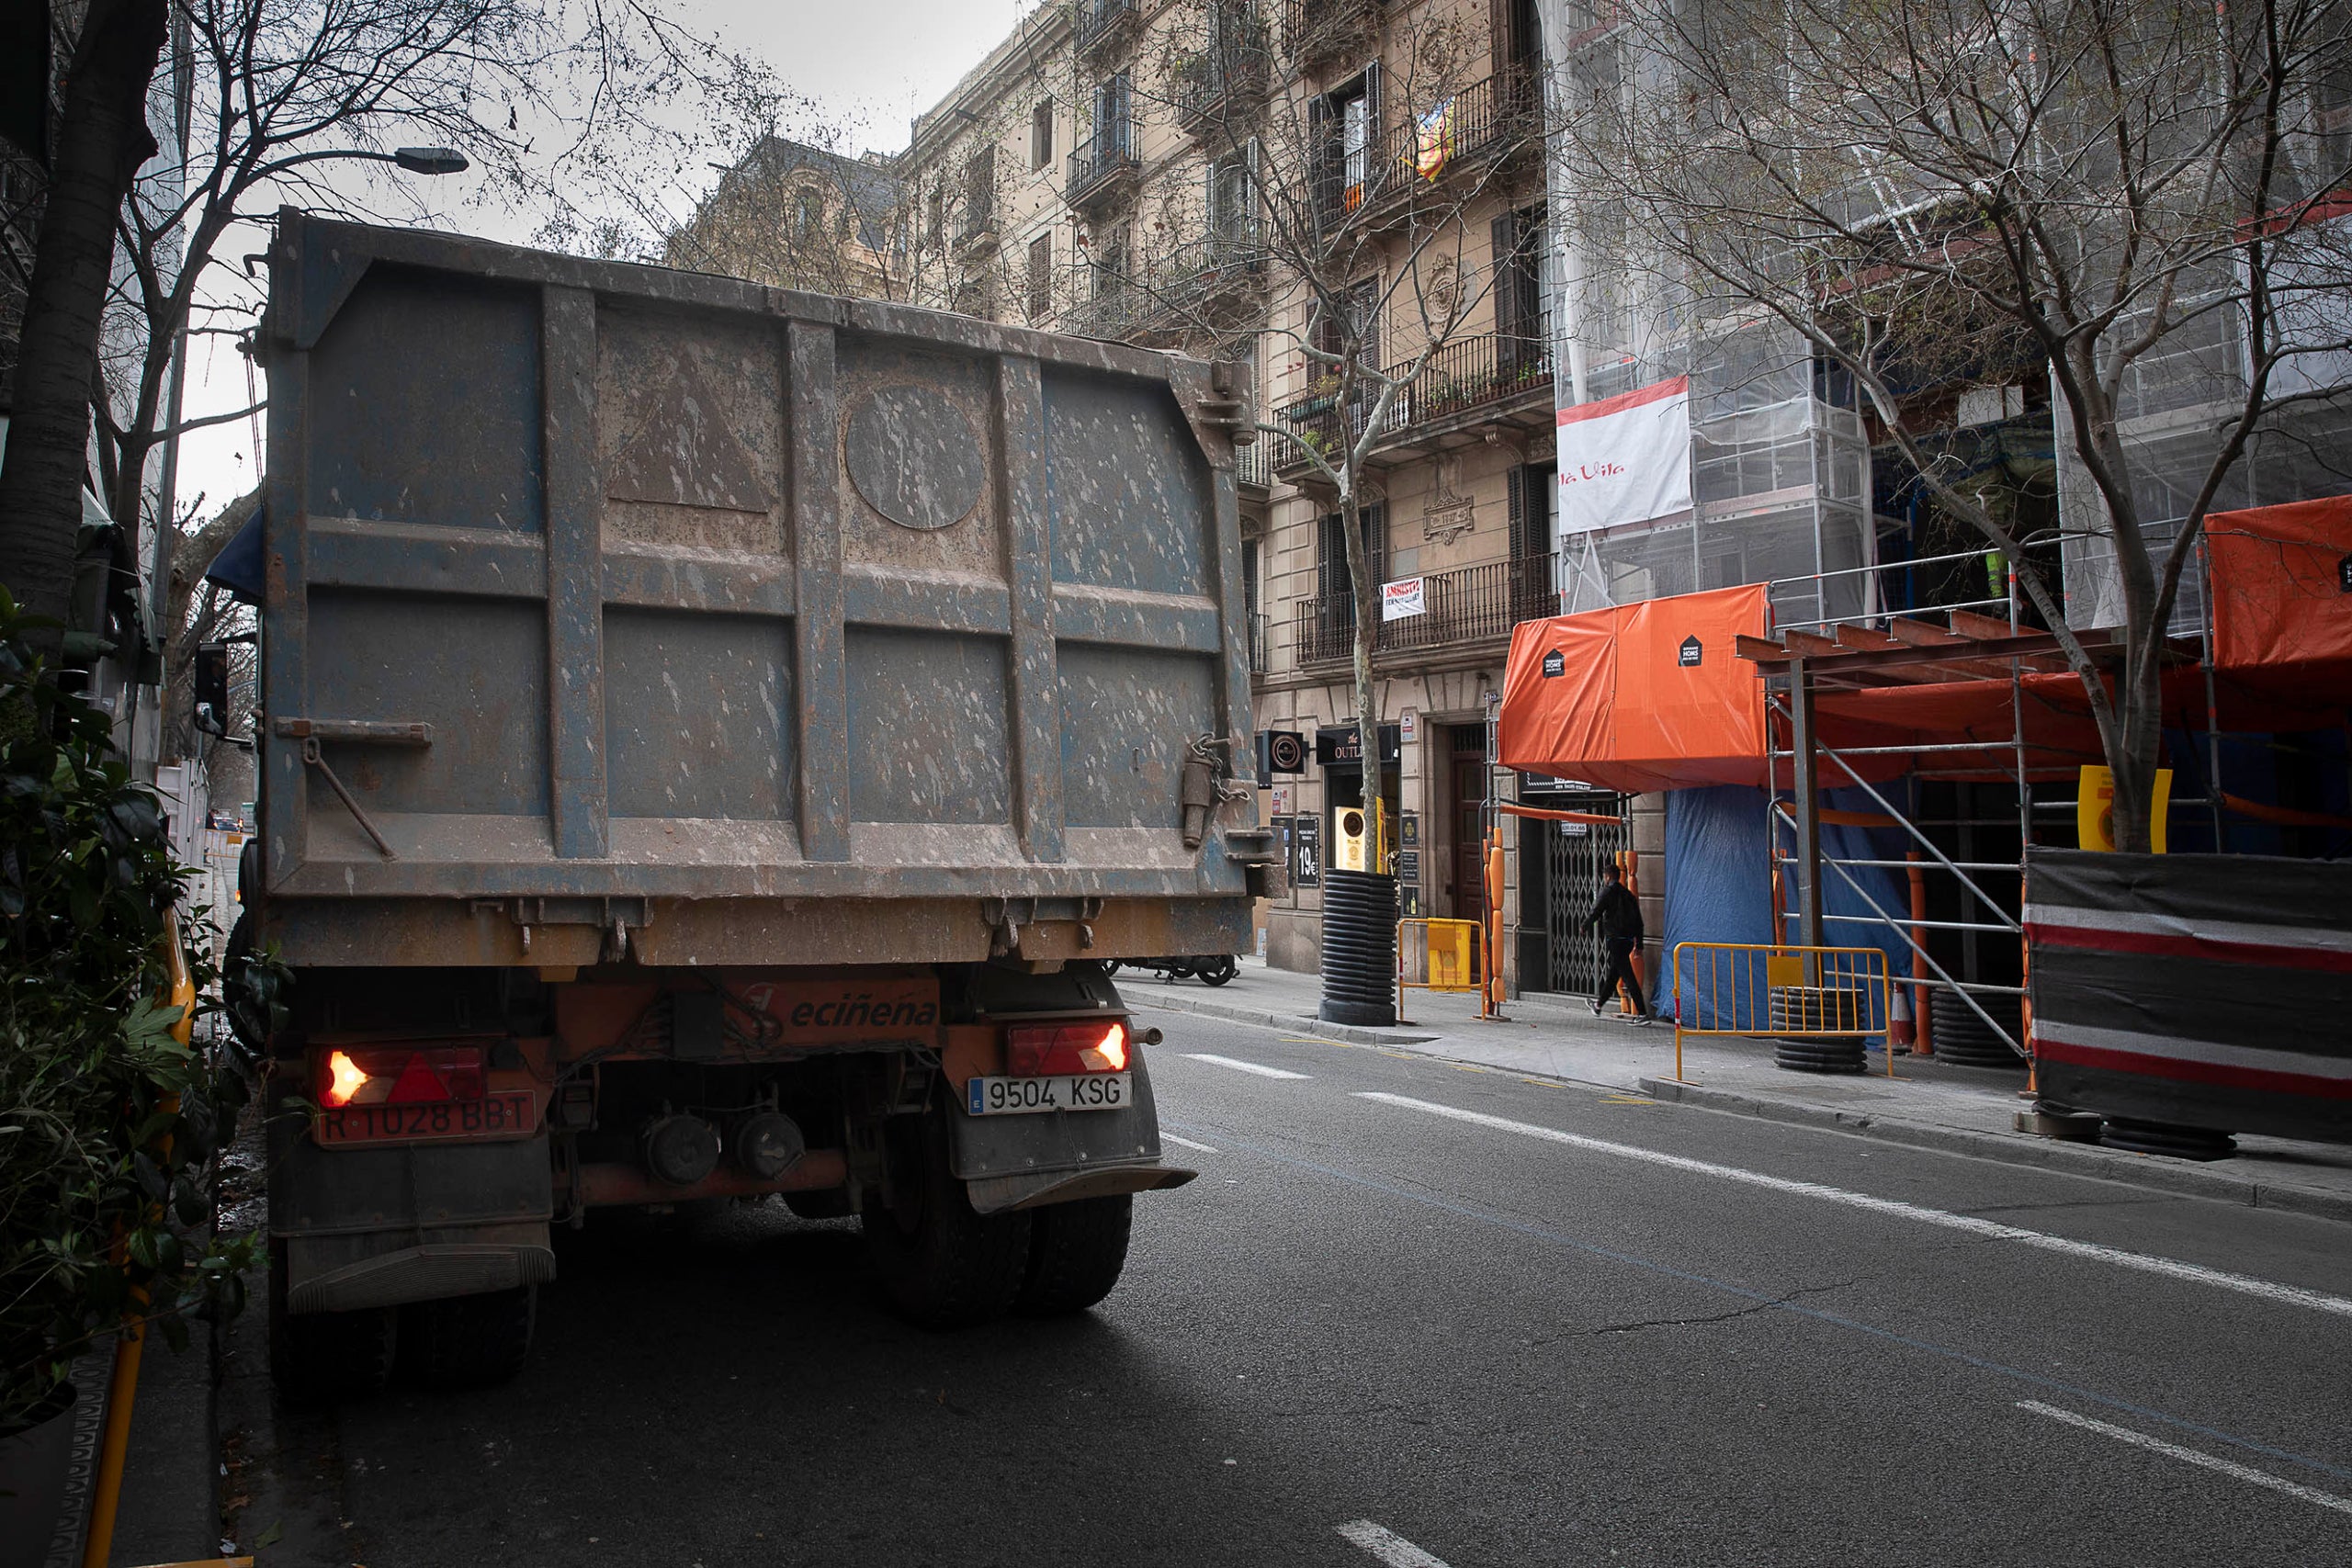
x: 418, y: 1082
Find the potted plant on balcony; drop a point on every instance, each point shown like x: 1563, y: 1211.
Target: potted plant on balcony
x: 109, y: 1120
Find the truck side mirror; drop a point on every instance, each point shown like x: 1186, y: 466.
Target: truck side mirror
x: 212, y: 688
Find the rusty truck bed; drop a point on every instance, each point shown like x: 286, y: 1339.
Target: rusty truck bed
x: 614, y: 610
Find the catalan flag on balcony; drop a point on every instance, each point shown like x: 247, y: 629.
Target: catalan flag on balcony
x: 1432, y: 143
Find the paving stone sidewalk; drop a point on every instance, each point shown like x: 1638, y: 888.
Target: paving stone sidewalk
x: 1925, y: 1104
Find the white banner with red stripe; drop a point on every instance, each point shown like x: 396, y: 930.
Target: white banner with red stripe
x: 1625, y: 459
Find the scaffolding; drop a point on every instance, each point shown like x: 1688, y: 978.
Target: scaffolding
x: 1937, y: 644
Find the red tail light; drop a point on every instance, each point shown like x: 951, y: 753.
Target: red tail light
x: 398, y: 1075
x: 1036, y: 1051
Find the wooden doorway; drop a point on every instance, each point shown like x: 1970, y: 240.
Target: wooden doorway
x: 1468, y: 753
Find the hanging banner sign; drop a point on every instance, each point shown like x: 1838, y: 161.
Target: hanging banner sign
x: 1626, y: 459
x: 1401, y: 599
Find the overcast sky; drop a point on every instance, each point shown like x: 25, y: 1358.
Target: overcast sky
x: 868, y: 64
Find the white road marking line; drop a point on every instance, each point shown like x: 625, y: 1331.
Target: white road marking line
x: 2267, y: 1290
x: 2190, y: 1456
x: 1242, y: 1067
x: 1169, y: 1137
x: 1388, y: 1546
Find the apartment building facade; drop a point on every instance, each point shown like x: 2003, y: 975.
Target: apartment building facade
x: 1228, y: 179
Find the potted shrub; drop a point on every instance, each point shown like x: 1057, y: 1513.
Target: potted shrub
x: 110, y: 1123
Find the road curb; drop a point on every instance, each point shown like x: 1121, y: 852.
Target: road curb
x: 1236, y: 1012
x: 2111, y: 1164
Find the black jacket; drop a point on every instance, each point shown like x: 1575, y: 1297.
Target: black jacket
x: 1617, y: 913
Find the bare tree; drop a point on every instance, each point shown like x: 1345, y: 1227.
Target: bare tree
x: 554, y: 104
x: 1346, y: 207
x: 102, y: 138
x: 2142, y: 201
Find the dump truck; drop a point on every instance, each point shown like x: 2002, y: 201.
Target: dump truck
x: 711, y: 740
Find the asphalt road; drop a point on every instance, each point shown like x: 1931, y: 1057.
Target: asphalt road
x: 1371, y: 1332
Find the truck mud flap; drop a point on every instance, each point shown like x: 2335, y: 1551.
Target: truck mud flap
x: 377, y: 1226
x: 996, y: 1194
x: 321, y: 1281
x: 1021, y: 1161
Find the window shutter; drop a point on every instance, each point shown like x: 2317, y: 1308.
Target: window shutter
x: 1505, y: 244
x: 1515, y: 486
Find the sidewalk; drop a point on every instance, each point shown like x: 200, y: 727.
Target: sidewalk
x: 1927, y: 1105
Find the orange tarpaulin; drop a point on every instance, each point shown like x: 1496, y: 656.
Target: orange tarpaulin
x: 2282, y: 597
x: 1639, y: 697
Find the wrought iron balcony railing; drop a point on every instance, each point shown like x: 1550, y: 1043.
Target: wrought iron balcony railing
x: 1227, y: 78
x: 1468, y: 605
x: 1099, y: 21
x: 1467, y: 374
x: 1318, y: 30
x: 1097, y: 164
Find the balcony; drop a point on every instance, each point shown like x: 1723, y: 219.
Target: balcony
x: 1316, y: 32
x: 1495, y: 117
x: 1467, y: 606
x: 1105, y: 25
x: 1223, y: 84
x: 1467, y: 384
x: 1212, y: 285
x: 1103, y: 168
x: 1105, y: 306
x: 1261, y: 643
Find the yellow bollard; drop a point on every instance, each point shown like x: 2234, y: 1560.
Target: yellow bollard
x: 122, y: 1386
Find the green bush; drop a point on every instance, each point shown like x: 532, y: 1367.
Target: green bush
x: 104, y: 1182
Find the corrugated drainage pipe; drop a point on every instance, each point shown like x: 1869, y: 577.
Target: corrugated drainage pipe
x: 1359, y: 948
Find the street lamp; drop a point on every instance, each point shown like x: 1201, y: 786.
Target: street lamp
x: 430, y: 160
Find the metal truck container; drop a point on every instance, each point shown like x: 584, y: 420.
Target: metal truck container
x: 660, y: 669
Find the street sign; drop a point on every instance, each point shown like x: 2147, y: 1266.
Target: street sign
x: 1338, y: 743
x: 1280, y: 751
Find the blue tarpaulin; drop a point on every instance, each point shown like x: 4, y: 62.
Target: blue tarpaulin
x: 1719, y: 883
x: 238, y: 567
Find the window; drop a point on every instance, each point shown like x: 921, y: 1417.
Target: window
x: 1113, y: 118
x: 808, y: 215
x: 1041, y: 135
x: 980, y: 191
x: 935, y: 215
x: 1233, y: 197
x: 1040, y: 289
x: 1522, y: 323
x: 1109, y: 261
x: 1355, y: 320
x: 1336, y: 609
x: 1343, y: 129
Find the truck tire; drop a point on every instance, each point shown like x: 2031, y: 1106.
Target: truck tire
x: 469, y: 1341
x: 1075, y: 1253
x: 941, y: 1265
x: 320, y: 1357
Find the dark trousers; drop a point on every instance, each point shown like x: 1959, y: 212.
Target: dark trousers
x: 1621, y: 967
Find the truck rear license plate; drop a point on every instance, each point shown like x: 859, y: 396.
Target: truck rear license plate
x: 1076, y: 1091
x: 509, y: 1114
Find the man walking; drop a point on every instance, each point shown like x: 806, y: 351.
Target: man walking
x: 1619, y: 915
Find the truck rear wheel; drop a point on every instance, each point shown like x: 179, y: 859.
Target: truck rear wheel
x: 943, y: 1266
x: 469, y: 1341
x: 1076, y: 1254
x: 322, y: 1357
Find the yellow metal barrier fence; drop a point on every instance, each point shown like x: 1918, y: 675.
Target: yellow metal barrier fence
x: 1766, y: 992
x: 1451, y: 954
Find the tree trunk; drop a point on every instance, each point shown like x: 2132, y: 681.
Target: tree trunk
x: 2140, y: 699
x: 103, y: 141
